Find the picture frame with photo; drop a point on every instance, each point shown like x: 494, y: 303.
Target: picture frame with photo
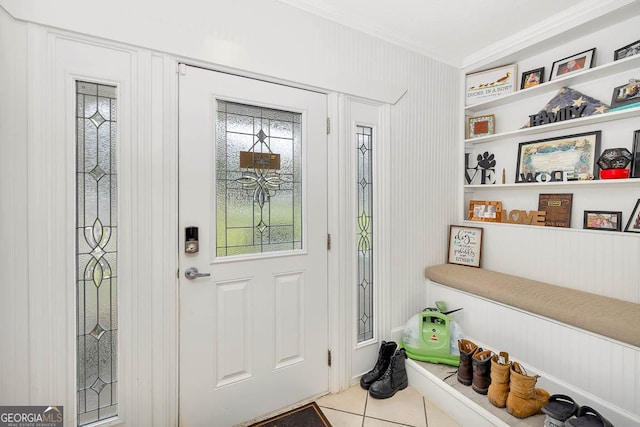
x: 481, y: 126
x: 629, y: 50
x: 626, y: 94
x: 603, y: 220
x: 573, y: 64
x: 532, y: 78
x: 465, y: 245
x: 489, y: 84
x: 633, y: 225
x: 486, y: 211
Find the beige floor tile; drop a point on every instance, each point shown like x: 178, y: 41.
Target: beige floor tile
x: 405, y: 407
x: 342, y: 419
x: 374, y: 422
x: 351, y: 400
x: 437, y: 418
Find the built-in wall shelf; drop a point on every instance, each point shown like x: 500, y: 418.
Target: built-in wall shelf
x: 484, y: 224
x: 594, y: 183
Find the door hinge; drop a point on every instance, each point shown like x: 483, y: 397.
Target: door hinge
x: 328, y: 125
x: 329, y: 357
x: 328, y: 242
x: 181, y: 69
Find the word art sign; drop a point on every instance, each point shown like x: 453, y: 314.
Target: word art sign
x: 465, y: 244
x: 523, y: 217
x: 566, y: 113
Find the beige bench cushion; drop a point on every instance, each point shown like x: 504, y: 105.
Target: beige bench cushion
x: 606, y: 316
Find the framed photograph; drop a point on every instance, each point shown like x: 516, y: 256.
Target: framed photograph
x: 490, y: 84
x: 626, y: 94
x: 628, y: 50
x: 532, y: 78
x: 603, y: 220
x: 633, y: 226
x: 573, y: 156
x: 635, y: 156
x: 571, y: 64
x: 487, y: 211
x: 481, y: 126
x: 557, y: 208
x: 465, y: 245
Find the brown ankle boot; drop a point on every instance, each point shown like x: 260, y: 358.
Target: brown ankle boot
x: 465, y: 370
x: 481, y: 363
x: 524, y: 399
x: 499, y: 387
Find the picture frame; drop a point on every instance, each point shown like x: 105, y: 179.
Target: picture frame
x: 478, y: 126
x: 572, y: 64
x: 633, y: 225
x: 465, y: 245
x: 626, y: 94
x: 635, y: 156
x: 626, y: 51
x: 532, y: 78
x: 489, y: 84
x: 486, y: 211
x: 557, y: 208
x: 573, y: 156
x: 603, y: 220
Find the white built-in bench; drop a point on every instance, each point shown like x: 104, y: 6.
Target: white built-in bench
x: 581, y: 344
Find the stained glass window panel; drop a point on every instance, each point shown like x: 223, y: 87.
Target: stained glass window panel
x: 258, y: 180
x: 364, y: 233
x: 96, y: 252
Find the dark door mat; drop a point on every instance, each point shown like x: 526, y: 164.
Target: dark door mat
x: 308, y: 415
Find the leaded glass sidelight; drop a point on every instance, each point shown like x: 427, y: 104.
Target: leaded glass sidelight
x: 96, y: 238
x: 364, y: 233
x: 258, y: 179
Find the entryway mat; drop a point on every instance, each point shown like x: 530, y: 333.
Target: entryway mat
x: 308, y: 415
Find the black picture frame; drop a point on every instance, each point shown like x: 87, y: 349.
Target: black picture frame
x: 633, y: 225
x: 626, y: 51
x: 626, y: 94
x: 603, y: 220
x: 532, y: 78
x: 635, y: 156
x: 560, y: 152
x: 574, y: 63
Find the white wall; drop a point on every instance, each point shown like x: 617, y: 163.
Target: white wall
x: 255, y: 37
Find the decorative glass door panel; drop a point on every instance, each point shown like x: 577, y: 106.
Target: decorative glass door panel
x: 259, y: 180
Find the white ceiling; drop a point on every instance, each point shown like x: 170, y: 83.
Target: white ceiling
x: 447, y: 30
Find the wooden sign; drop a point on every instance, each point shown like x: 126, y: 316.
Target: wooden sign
x: 558, y: 209
x: 523, y: 217
x: 250, y: 159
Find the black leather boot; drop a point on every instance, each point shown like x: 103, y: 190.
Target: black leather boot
x: 384, y: 357
x: 394, y: 378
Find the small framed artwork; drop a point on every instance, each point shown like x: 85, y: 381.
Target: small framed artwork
x: 603, y: 220
x: 487, y: 211
x: 626, y: 94
x: 557, y: 208
x: 481, y: 126
x: 635, y: 156
x: 490, y: 84
x: 532, y: 78
x: 626, y: 51
x: 465, y: 245
x: 633, y: 226
x: 574, y: 156
x: 574, y: 63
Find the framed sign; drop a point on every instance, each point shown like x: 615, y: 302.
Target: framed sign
x: 603, y: 220
x: 489, y: 84
x: 481, y: 126
x: 573, y: 156
x: 571, y: 64
x: 488, y: 211
x: 465, y: 245
x: 633, y: 226
x: 557, y: 208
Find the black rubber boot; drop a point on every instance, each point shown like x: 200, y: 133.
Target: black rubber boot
x: 384, y: 357
x: 394, y: 378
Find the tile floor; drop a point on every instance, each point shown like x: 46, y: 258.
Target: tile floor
x: 355, y: 408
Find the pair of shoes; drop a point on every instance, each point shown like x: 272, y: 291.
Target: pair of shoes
x: 561, y: 408
x: 475, y: 367
x: 388, y: 374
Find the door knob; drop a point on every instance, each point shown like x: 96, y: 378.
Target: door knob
x: 192, y: 273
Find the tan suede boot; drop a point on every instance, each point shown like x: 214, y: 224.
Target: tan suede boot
x: 499, y: 387
x: 465, y: 370
x: 524, y: 399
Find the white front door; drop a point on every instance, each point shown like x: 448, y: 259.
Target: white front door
x: 253, y: 180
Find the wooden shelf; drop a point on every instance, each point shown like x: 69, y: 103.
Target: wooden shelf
x: 604, y: 183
